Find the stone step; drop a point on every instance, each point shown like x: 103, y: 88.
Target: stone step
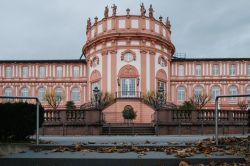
x: 118, y: 130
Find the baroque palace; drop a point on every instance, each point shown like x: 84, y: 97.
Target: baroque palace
x: 128, y: 56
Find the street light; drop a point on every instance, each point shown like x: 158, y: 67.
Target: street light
x: 96, y: 92
x: 161, y: 91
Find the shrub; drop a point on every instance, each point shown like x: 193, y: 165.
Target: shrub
x: 18, y: 120
x: 70, y: 105
x: 187, y: 105
x: 129, y: 113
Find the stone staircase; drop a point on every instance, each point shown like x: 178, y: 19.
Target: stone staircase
x: 128, y: 130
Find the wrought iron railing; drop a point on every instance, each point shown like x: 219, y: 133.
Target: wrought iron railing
x: 128, y: 94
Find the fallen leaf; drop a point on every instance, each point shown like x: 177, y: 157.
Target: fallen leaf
x: 183, y: 163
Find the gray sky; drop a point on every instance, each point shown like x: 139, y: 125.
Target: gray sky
x: 55, y: 29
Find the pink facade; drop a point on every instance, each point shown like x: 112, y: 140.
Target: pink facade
x: 128, y: 56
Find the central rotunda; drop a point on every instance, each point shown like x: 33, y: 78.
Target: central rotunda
x: 128, y: 56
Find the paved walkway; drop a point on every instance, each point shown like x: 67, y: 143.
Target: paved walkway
x: 68, y: 140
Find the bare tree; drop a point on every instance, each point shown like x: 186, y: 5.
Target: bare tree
x: 243, y: 105
x: 53, y: 98
x: 200, y: 100
x: 157, y: 101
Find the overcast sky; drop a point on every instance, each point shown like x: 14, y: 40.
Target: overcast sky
x: 55, y: 29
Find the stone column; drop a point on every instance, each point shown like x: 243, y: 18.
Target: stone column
x: 143, y: 72
x: 113, y: 71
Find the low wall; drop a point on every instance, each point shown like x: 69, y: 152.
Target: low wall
x: 175, y: 122
x: 73, y: 122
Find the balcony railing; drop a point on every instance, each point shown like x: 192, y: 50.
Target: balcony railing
x: 128, y: 94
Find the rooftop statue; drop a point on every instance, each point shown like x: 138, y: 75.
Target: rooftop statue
x: 106, y: 12
x: 143, y: 10
x: 151, y: 11
x: 88, y: 24
x: 168, y: 25
x: 114, y: 7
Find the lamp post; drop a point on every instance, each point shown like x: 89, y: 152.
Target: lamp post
x: 161, y: 91
x: 95, y: 92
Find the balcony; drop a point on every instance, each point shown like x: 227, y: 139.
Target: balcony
x: 128, y: 94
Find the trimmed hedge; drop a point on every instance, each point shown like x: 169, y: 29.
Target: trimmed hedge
x: 18, y: 120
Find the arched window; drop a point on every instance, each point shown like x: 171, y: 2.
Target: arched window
x: 198, y: 91
x: 7, y: 92
x: 75, y: 94
x: 41, y: 93
x: 181, y: 93
x: 215, y: 92
x: 232, y: 91
x: 25, y: 92
x: 59, y: 92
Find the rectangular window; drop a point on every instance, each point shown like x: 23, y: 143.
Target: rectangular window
x: 122, y: 23
x: 8, y: 72
x: 147, y: 24
x: 198, y: 70
x: 76, y: 72
x: 232, y: 70
x: 109, y: 24
x: 181, y: 70
x: 42, y: 72
x: 99, y: 29
x: 134, y: 24
x: 215, y: 71
x: 157, y: 28
x: 25, y: 72
x: 248, y: 69
x: 128, y: 87
x: 59, y: 72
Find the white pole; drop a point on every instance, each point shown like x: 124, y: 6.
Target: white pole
x: 216, y: 120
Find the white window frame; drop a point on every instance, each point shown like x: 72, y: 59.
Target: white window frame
x: 41, y: 72
x: 215, y: 92
x: 198, y: 70
x: 76, y: 71
x: 233, y: 90
x: 41, y: 94
x: 128, y: 87
x: 75, y: 94
x: 181, y: 93
x: 232, y: 70
x: 25, y: 92
x: 181, y: 70
x: 8, y: 72
x: 248, y: 69
x: 59, y: 72
x: 25, y: 71
x: 8, y: 91
x: 215, y: 70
